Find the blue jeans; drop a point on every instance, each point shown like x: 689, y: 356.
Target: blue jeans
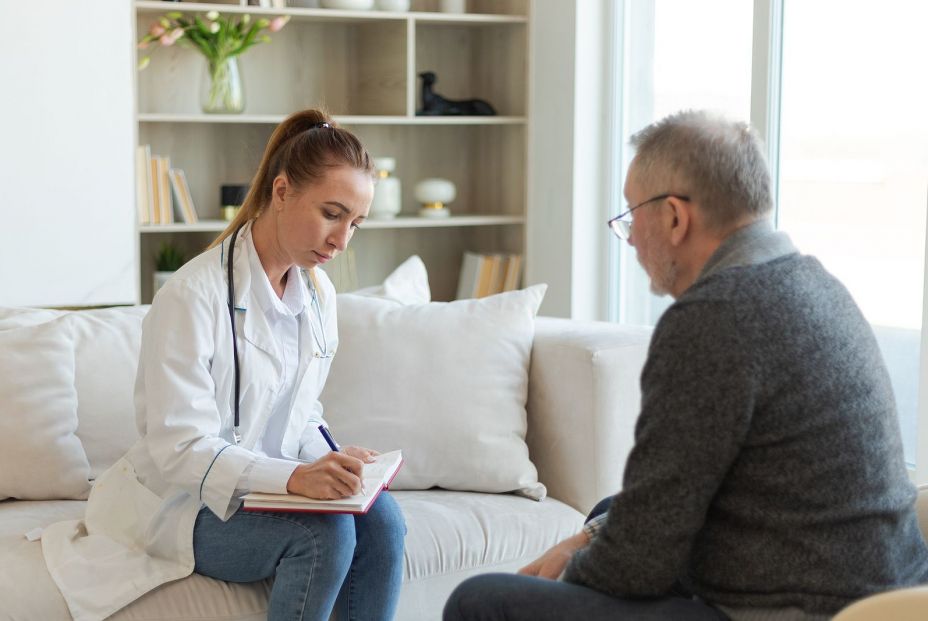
x: 352, y: 564
x: 512, y: 597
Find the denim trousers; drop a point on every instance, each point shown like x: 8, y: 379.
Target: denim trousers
x: 352, y: 564
x: 512, y: 597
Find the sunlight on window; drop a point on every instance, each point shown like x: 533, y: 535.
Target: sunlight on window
x: 854, y: 163
x: 681, y: 55
x: 713, y: 70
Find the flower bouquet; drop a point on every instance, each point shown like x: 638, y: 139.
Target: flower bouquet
x: 220, y: 38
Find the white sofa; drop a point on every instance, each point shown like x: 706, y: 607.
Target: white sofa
x: 583, y: 400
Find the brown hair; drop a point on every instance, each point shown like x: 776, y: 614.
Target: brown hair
x: 302, y: 148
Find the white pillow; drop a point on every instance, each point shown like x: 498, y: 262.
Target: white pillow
x: 40, y: 455
x: 19, y: 317
x: 446, y: 382
x: 106, y: 355
x: 408, y: 284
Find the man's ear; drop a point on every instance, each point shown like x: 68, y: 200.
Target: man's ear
x: 682, y: 220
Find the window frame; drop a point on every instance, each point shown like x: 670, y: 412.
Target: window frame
x: 630, y: 21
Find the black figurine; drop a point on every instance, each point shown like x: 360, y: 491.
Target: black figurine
x: 434, y: 104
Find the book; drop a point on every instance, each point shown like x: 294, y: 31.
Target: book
x: 498, y: 274
x: 513, y: 272
x: 154, y: 201
x: 164, y: 191
x: 471, y: 266
x: 487, y: 274
x: 375, y: 478
x: 143, y: 193
x: 183, y: 199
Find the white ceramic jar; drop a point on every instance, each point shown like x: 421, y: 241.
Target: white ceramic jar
x: 387, y: 201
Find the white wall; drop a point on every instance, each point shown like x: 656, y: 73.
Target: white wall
x: 66, y: 153
x: 568, y: 184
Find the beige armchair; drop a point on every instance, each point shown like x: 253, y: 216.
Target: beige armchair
x: 903, y: 604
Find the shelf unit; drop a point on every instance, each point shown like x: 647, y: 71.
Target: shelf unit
x: 362, y: 67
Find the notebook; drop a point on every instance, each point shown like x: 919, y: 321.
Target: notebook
x: 375, y: 478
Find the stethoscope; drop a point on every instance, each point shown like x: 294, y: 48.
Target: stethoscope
x: 322, y: 348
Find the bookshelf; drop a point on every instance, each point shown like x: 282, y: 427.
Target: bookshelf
x: 362, y: 66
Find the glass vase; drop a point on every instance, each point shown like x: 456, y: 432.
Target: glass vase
x: 221, y: 90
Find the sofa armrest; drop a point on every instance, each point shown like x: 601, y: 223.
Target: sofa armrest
x: 583, y: 401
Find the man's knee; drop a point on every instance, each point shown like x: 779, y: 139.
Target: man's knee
x: 601, y: 507
x: 474, y: 599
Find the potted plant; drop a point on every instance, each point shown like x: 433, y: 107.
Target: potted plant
x: 167, y: 261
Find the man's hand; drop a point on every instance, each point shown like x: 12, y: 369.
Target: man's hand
x: 335, y: 475
x: 551, y: 564
x: 359, y: 452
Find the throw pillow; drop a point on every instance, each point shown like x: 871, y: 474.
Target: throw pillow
x: 106, y: 357
x: 40, y: 456
x: 17, y: 317
x: 446, y: 382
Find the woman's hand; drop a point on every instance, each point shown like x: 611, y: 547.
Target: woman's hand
x: 365, y: 455
x: 333, y: 476
x: 551, y: 564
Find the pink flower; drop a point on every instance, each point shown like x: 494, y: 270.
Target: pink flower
x: 278, y: 22
x: 177, y: 33
x: 166, y: 40
x: 143, y: 44
x: 156, y: 30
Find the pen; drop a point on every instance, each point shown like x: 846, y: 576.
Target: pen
x: 328, y: 438
x: 332, y: 445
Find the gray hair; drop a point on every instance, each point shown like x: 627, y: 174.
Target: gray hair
x: 719, y: 163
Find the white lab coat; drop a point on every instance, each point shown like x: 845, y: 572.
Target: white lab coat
x: 137, y: 532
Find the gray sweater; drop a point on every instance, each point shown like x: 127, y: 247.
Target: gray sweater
x: 767, y: 470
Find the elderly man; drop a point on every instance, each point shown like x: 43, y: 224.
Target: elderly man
x: 767, y: 479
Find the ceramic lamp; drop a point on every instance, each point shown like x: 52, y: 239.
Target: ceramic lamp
x: 386, y: 203
x: 434, y: 193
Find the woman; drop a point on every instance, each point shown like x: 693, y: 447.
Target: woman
x: 209, y: 435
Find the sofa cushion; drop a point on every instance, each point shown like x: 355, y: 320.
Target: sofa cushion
x: 28, y: 592
x: 40, y: 455
x: 460, y: 531
x: 452, y: 535
x: 446, y: 382
x: 455, y: 535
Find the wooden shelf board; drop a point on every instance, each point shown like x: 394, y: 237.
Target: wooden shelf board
x: 274, y: 119
x: 412, y: 222
x: 334, y: 15
x: 402, y: 222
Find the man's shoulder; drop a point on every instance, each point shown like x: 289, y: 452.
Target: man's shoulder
x: 736, y: 281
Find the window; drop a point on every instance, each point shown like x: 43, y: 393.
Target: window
x: 844, y: 106
x: 853, y: 162
x: 679, y: 54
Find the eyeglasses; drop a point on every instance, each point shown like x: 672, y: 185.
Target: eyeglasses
x: 623, y: 228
